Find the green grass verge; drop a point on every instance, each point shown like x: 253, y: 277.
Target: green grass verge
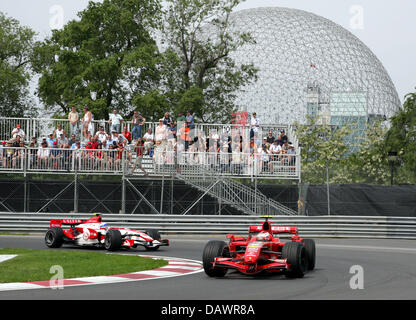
x: 6, y: 233
x: 35, y: 265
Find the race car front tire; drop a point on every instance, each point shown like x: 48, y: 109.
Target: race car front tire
x: 310, y: 248
x: 295, y: 254
x: 113, y: 240
x: 155, y: 235
x: 213, y: 249
x: 54, y: 237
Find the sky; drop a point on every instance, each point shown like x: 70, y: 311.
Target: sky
x: 387, y: 27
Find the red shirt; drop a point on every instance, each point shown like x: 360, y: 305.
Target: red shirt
x: 127, y: 135
x: 139, y: 149
x: 120, y: 152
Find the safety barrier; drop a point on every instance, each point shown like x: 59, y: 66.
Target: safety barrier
x: 316, y: 226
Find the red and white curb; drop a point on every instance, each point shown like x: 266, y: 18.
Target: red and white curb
x: 176, y: 267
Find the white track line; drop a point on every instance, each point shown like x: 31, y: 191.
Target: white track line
x: 367, y: 248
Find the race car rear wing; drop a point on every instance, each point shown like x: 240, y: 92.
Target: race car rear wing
x: 275, y: 230
x: 60, y: 222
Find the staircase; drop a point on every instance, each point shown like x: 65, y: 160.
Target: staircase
x: 229, y: 191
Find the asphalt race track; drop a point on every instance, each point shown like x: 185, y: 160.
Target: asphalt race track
x: 389, y: 268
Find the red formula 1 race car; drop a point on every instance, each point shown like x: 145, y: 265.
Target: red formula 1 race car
x: 93, y: 232
x: 261, y: 251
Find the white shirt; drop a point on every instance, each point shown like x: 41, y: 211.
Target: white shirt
x: 59, y: 132
x: 264, y: 154
x: 18, y: 132
x: 115, y: 118
x: 43, y: 152
x: 102, y: 136
x: 148, y: 136
x: 255, y: 123
x: 275, y: 148
x: 161, y: 133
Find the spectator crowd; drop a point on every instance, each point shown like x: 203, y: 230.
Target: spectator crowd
x: 173, y: 141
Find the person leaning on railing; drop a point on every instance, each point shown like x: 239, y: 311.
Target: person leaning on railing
x: 56, y: 156
x: 43, y: 155
x: 33, y: 145
x: 126, y: 133
x: 184, y: 133
x: 8, y: 154
x: 137, y: 122
x: 18, y: 153
x: 118, y: 157
x: 66, y: 157
x: 291, y: 158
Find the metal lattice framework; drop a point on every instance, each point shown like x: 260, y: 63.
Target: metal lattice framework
x: 304, y: 58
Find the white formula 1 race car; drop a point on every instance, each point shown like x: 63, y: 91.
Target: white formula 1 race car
x: 93, y: 232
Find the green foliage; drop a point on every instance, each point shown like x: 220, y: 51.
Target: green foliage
x: 16, y: 44
x: 370, y: 163
x: 108, y: 51
x: 322, y: 146
x: 401, y: 138
x: 192, y: 99
x: 204, y: 77
x: 152, y: 105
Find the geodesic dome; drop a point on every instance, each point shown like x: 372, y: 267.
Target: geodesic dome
x: 310, y: 65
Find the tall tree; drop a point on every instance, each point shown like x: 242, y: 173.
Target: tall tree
x: 206, y: 79
x: 103, y: 59
x: 323, y: 147
x: 16, y: 43
x: 401, y: 137
x: 370, y: 163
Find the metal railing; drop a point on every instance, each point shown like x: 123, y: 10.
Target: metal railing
x: 40, y: 127
x: 314, y: 227
x: 63, y: 160
x: 234, y: 164
x: 162, y: 162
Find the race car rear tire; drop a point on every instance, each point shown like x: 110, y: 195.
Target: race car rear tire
x: 113, y: 240
x: 155, y: 235
x: 310, y: 248
x: 295, y: 254
x: 54, y: 237
x: 213, y: 249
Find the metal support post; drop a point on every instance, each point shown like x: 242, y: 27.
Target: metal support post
x: 76, y: 190
x: 161, y: 194
x: 327, y: 188
x: 171, y: 195
x: 255, y: 195
x: 123, y: 183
